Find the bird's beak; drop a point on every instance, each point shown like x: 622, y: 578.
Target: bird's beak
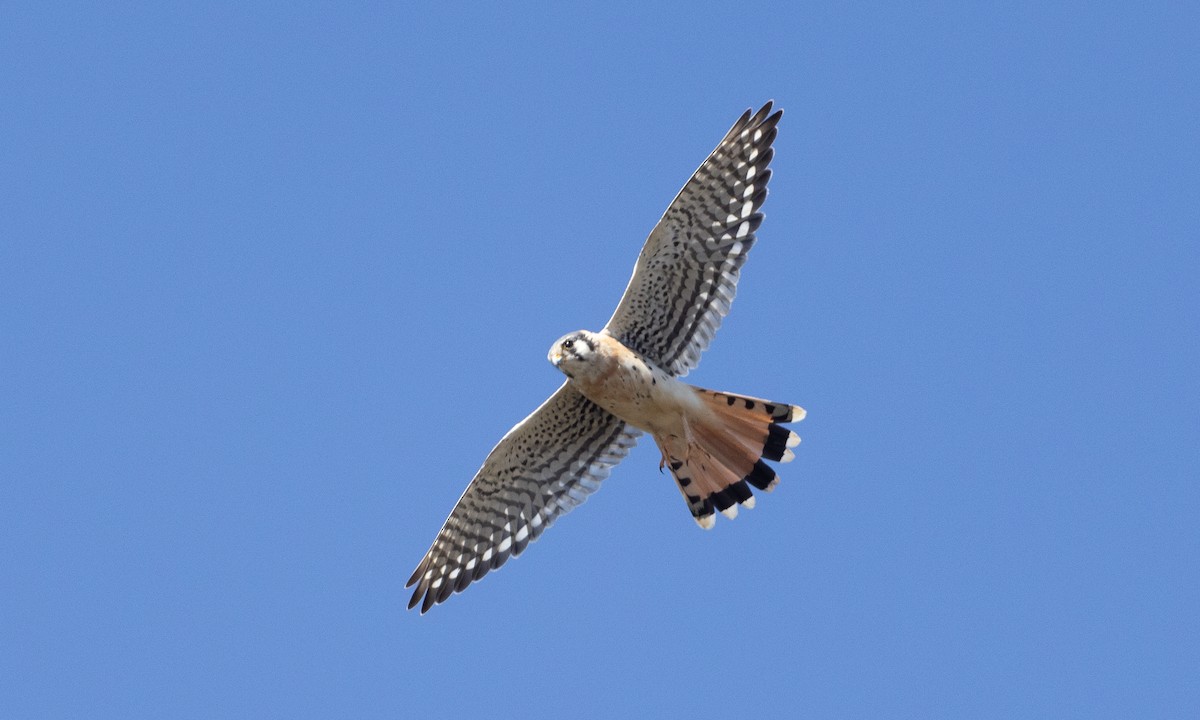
x: 555, y: 356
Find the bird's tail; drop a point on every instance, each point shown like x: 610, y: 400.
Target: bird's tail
x: 722, y: 452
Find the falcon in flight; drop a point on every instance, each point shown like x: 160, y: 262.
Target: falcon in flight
x: 624, y: 380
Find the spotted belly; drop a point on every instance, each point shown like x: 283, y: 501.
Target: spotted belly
x: 645, y: 396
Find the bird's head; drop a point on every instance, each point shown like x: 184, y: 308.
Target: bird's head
x: 575, y: 353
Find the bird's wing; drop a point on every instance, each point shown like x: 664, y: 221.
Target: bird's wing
x: 545, y: 466
x: 687, y: 273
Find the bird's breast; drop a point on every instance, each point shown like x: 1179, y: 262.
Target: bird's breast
x: 640, y: 393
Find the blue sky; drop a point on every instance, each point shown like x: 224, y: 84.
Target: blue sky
x: 275, y: 278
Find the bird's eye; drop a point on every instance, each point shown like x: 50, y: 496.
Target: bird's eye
x: 569, y: 344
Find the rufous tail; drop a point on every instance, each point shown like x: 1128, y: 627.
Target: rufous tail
x: 722, y: 452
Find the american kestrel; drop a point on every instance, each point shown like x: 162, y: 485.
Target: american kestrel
x: 624, y: 380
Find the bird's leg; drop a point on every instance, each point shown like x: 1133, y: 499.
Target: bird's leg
x: 687, y: 440
x: 666, y: 459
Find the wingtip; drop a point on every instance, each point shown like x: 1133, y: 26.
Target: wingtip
x: 706, y: 522
x: 765, y: 117
x: 798, y: 413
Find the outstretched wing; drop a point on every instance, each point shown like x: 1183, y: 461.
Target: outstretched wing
x: 687, y: 274
x: 545, y: 466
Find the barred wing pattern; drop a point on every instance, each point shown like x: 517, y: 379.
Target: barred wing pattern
x: 687, y: 274
x: 545, y: 466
